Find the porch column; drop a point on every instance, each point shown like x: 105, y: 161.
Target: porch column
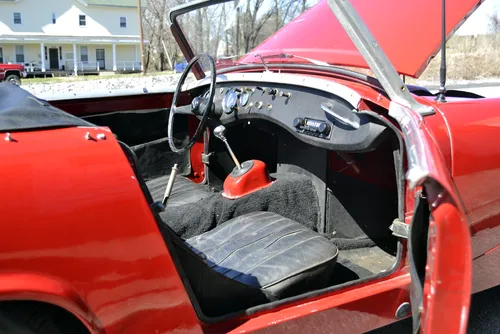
x: 114, y: 57
x: 42, y: 56
x: 75, y: 64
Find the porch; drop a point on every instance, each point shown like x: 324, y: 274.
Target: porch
x: 49, y: 59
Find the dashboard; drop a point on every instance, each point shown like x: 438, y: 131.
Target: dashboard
x: 314, y: 116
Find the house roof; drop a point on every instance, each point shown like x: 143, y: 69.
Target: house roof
x: 115, y: 3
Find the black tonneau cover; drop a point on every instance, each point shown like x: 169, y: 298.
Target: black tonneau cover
x: 20, y: 110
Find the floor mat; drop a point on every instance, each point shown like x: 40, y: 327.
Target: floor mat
x: 361, y: 263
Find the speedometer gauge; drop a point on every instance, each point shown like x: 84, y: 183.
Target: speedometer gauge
x: 230, y: 101
x: 244, y: 98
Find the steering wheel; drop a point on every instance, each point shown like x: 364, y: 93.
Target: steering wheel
x: 203, y: 104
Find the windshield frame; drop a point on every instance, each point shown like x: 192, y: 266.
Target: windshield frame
x: 355, y: 28
x: 180, y: 37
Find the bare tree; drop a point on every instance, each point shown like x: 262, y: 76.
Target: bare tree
x: 494, y: 22
x: 233, y: 28
x: 161, y: 48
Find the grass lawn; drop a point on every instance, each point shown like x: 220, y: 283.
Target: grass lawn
x: 90, y: 78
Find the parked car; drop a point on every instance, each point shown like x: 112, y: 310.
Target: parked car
x: 280, y: 194
x: 12, y: 73
x: 180, y: 66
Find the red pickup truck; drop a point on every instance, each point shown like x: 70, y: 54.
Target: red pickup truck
x: 12, y: 73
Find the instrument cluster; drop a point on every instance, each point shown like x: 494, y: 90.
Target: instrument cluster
x: 250, y: 97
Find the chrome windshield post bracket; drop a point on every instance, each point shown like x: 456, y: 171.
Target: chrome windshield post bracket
x: 375, y: 57
x: 262, y: 60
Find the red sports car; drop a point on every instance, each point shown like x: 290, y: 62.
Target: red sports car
x: 283, y: 193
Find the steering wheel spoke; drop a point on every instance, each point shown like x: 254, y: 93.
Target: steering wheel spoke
x: 201, y: 108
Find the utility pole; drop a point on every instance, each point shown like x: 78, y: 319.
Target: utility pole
x: 139, y: 11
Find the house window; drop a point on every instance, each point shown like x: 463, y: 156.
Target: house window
x: 53, y: 18
x: 19, y: 53
x: 83, y: 20
x: 17, y: 18
x: 84, y: 54
x: 123, y: 22
x: 1, y: 55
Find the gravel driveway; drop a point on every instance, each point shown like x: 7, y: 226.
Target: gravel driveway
x: 105, y: 84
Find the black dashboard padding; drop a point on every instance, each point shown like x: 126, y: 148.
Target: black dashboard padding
x: 291, y: 195
x: 306, y: 103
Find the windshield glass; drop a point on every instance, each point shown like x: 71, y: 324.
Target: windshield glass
x: 228, y: 31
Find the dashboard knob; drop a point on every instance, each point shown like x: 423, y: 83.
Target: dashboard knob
x: 298, y: 122
x: 284, y: 94
x: 324, y: 128
x: 272, y: 91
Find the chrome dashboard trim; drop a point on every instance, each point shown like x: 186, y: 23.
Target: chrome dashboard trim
x: 262, y: 78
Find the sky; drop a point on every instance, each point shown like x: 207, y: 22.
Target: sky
x: 478, y: 22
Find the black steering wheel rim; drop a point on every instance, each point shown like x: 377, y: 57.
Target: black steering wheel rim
x: 207, y: 105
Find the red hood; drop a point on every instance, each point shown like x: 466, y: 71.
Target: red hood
x: 409, y: 32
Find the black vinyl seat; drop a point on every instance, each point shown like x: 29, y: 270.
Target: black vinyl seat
x: 184, y: 191
x: 254, y: 259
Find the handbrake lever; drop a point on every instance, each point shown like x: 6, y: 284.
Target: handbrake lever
x: 170, y: 185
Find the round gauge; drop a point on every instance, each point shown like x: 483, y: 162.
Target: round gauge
x: 230, y: 101
x: 244, y: 98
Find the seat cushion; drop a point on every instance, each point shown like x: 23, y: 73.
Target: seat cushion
x: 264, y: 250
x: 184, y: 191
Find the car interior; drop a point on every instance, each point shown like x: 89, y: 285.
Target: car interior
x: 290, y: 201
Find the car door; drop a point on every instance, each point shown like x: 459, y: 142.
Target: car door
x: 439, y: 245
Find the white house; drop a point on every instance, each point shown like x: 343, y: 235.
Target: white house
x: 71, y: 35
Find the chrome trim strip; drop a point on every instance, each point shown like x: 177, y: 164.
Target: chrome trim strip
x: 418, y: 164
x: 101, y: 93
x: 328, y: 86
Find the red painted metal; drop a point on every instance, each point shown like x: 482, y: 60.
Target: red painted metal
x: 112, y: 269
x: 108, y: 104
x: 397, y: 26
x: 448, y: 278
x: 77, y: 231
x: 476, y: 166
x: 256, y: 178
x: 197, y: 167
x: 356, y: 309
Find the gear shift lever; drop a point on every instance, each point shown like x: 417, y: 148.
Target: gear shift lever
x: 219, y: 132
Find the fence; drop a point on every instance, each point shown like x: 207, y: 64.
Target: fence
x: 128, y: 66
x: 83, y: 66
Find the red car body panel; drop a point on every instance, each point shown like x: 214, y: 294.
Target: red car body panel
x: 114, y: 272
x: 373, y: 302
x: 396, y: 25
x: 77, y: 232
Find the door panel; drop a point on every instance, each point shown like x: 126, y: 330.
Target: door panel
x: 54, y: 59
x: 441, y: 289
x: 100, y: 57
